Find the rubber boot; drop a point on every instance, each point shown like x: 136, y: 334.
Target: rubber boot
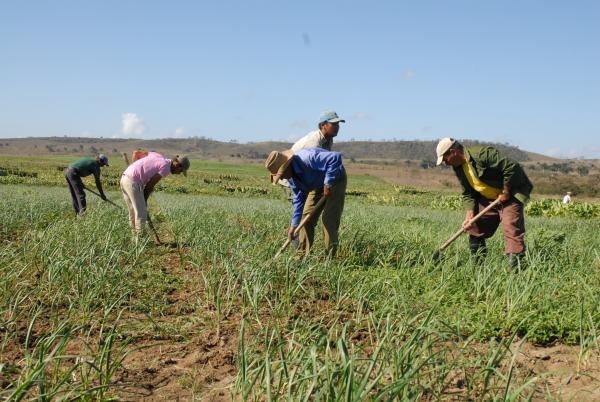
x: 515, y: 261
x: 478, y: 249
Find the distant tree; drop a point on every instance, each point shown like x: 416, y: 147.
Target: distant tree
x: 115, y: 151
x: 583, y: 170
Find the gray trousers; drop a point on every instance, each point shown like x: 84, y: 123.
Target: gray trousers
x: 76, y: 188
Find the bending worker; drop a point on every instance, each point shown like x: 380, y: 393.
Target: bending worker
x: 486, y: 175
x: 139, y: 179
x: 308, y: 170
x: 83, y: 168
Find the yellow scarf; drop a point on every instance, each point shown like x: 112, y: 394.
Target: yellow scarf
x: 489, y: 192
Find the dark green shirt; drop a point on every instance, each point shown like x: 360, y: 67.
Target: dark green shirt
x: 496, y: 170
x: 86, y: 167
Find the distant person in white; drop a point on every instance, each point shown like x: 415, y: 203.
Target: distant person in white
x: 567, y: 198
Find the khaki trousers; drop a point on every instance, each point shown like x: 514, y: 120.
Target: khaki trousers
x: 332, y: 216
x: 133, y: 194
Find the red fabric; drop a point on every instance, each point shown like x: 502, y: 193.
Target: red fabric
x: 139, y: 154
x: 511, y: 215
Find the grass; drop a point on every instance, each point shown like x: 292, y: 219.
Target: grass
x: 380, y: 322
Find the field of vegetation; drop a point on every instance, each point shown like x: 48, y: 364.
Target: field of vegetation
x: 88, y: 313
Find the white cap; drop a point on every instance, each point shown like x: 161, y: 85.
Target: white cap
x: 442, y: 147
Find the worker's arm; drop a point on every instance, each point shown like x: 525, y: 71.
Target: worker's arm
x: 297, y: 207
x: 150, y: 186
x: 99, y: 184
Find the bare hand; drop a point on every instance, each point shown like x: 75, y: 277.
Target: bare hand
x: 468, y: 216
x: 291, y: 231
x: 503, y: 197
x: 326, y: 191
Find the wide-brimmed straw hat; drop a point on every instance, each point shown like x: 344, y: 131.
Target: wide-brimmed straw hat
x: 277, y: 163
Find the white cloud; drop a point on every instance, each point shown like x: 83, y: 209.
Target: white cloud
x: 293, y: 137
x: 408, y: 74
x: 179, y: 132
x: 132, y: 124
x: 299, y: 124
x: 573, y: 153
x: 361, y: 116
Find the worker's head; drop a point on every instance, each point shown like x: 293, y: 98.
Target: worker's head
x: 450, y: 152
x: 180, y: 164
x: 329, y: 123
x: 102, y: 160
x: 280, y: 165
x: 569, y: 193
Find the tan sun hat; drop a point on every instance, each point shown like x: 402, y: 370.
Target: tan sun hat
x: 277, y: 163
x: 442, y: 147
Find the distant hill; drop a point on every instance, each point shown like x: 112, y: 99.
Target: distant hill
x: 205, y: 148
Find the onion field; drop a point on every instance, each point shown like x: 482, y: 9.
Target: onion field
x: 89, y: 313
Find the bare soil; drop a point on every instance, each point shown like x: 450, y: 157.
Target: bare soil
x: 203, y: 366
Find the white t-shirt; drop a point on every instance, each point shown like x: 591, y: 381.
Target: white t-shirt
x: 567, y: 199
x: 314, y: 139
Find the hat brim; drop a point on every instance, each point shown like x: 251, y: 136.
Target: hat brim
x: 440, y: 160
x: 336, y: 120
x: 275, y: 178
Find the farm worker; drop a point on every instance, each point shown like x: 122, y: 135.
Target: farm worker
x: 328, y: 128
x: 83, y: 168
x: 308, y: 170
x: 139, y: 179
x: 485, y: 175
x: 567, y: 198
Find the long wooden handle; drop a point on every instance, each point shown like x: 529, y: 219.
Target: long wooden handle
x: 151, y: 225
x: 472, y: 221
x: 107, y: 200
x: 301, y: 225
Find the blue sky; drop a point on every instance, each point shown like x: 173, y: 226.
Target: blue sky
x: 522, y: 72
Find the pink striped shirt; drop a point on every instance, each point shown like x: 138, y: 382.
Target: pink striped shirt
x: 142, y: 170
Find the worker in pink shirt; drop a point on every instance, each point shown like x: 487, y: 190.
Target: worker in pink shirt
x: 139, y: 179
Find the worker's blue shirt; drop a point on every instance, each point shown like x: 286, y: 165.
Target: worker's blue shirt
x: 312, y: 169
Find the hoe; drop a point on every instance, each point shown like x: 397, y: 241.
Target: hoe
x: 150, y: 224
x: 301, y: 225
x: 437, y: 253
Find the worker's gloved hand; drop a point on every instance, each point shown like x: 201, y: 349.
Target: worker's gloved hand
x: 326, y: 191
x: 468, y: 216
x: 291, y: 232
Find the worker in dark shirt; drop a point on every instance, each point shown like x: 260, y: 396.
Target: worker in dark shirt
x: 82, y: 168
